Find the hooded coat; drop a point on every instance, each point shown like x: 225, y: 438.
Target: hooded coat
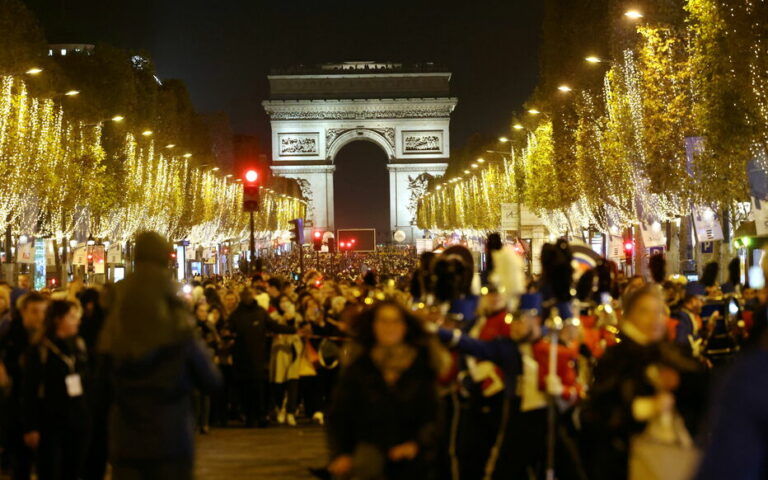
x: 156, y: 362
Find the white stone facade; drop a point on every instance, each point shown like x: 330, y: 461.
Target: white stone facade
x: 308, y: 133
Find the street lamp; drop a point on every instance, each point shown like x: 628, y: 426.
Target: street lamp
x: 187, y: 155
x: 147, y: 133
x: 474, y: 165
x: 170, y: 146
x: 534, y: 111
x: 215, y: 169
x: 72, y: 93
x: 595, y: 60
x: 633, y: 14
x: 480, y: 160
x: 503, y: 139
x: 116, y: 119
x: 33, y: 71
x: 564, y: 88
x: 467, y: 172
x: 518, y: 126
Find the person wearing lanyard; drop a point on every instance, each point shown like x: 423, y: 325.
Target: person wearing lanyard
x: 54, y: 409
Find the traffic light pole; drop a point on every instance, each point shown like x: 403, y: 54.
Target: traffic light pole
x: 252, y: 246
x: 301, y: 261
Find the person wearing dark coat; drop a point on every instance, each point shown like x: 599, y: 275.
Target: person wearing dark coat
x: 626, y: 395
x: 156, y: 363
x: 250, y: 325
x: 25, y: 330
x: 738, y: 446
x: 54, y: 408
x: 383, y: 419
x: 99, y: 402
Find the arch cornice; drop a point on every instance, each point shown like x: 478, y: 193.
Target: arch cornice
x: 367, y: 134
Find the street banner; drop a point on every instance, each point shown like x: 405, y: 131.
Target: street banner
x: 758, y: 183
x: 509, y: 220
x: 760, y: 212
x: 50, y: 253
x: 652, y: 235
x: 79, y: 256
x: 615, y: 247
x: 115, y: 255
x: 707, y: 225
x: 99, y: 258
x: 25, y: 253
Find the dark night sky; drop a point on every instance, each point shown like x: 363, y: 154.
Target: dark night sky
x: 223, y: 49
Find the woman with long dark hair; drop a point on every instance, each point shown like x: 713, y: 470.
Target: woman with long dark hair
x: 383, y: 418
x: 55, y: 413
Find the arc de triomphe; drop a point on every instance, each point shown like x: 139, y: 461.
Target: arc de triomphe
x: 405, y: 111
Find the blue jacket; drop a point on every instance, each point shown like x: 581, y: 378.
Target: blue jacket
x: 739, y: 447
x: 501, y: 351
x: 151, y: 418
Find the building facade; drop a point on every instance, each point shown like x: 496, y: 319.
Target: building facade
x: 405, y: 110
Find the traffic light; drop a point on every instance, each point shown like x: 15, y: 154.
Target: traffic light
x: 317, y: 241
x: 332, y: 245
x: 297, y: 231
x: 629, y: 249
x: 251, y: 191
x: 91, y: 268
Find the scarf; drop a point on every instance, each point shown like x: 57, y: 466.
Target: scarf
x: 393, y: 361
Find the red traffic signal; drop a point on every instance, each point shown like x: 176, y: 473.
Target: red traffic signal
x: 317, y: 240
x: 251, y: 176
x: 251, y: 190
x: 629, y: 248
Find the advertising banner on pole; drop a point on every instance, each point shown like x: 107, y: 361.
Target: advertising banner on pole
x: 99, y: 258
x: 79, y: 256
x: 706, y: 224
x: 115, y: 255
x: 25, y: 253
x: 509, y: 220
x: 652, y: 234
x: 616, y: 248
x: 760, y: 212
x: 758, y: 183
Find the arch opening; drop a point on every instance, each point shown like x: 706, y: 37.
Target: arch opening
x: 361, y: 188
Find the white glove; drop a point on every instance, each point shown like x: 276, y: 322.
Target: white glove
x: 554, y: 385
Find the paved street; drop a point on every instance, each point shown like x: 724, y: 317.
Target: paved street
x: 275, y: 453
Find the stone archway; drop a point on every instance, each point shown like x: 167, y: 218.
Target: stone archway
x: 338, y: 138
x: 315, y: 113
x: 361, y: 187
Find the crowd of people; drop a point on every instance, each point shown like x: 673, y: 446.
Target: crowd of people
x: 437, y: 372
